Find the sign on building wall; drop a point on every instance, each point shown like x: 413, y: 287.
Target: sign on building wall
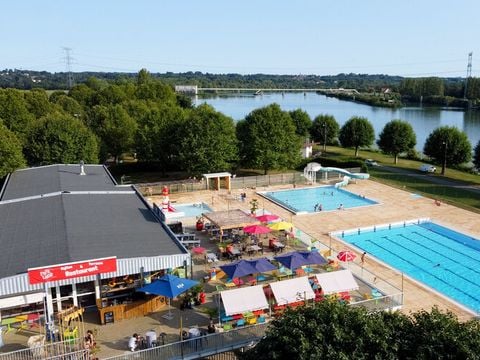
x: 71, y: 270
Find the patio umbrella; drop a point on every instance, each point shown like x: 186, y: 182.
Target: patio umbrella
x: 313, y: 257
x: 169, y: 286
x: 292, y: 260
x: 346, y: 256
x: 281, y: 225
x: 267, y: 218
x: 238, y: 269
x: 262, y: 265
x: 256, y: 229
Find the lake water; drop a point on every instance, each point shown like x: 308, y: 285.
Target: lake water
x: 423, y: 119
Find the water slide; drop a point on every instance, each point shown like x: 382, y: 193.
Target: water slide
x: 362, y: 176
x: 171, y: 208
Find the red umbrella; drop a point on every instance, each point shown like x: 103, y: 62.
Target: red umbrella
x: 256, y: 229
x: 346, y: 255
x: 198, y: 250
x: 267, y: 218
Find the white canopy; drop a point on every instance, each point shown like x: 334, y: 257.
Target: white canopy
x: 292, y: 290
x: 238, y: 301
x: 337, y: 281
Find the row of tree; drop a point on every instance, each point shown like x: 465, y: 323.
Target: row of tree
x: 99, y: 120
x: 331, y: 330
x: 416, y: 88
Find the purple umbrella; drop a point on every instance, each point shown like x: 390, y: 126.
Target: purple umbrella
x: 238, y: 268
x: 262, y: 265
x: 292, y: 260
x: 313, y: 257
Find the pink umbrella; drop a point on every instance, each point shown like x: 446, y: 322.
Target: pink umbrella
x: 267, y: 218
x: 256, y: 229
x: 346, y: 256
x: 198, y: 250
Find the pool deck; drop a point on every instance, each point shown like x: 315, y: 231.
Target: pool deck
x: 395, y: 205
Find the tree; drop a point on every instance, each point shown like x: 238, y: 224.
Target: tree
x: 37, y: 102
x: 332, y: 330
x: 268, y: 140
x: 302, y: 122
x: 476, y: 156
x: 11, y: 157
x: 357, y: 132
x: 397, y: 137
x: 206, y: 141
x: 448, y: 146
x: 14, y: 112
x: 115, y: 128
x: 324, y: 130
x: 58, y: 138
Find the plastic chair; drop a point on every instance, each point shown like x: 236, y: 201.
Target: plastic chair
x: 261, y: 319
x: 227, y: 327
x: 240, y: 322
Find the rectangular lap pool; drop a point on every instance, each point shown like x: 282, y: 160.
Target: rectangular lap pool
x: 192, y: 210
x: 441, y: 258
x: 309, y: 200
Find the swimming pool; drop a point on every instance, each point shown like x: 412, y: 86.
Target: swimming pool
x: 439, y: 257
x: 304, y: 200
x: 192, y: 210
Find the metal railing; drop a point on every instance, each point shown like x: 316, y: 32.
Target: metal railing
x: 200, y: 346
x: 69, y: 349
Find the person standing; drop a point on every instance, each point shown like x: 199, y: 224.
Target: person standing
x: 362, y: 258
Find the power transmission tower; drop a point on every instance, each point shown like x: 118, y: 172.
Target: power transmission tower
x: 68, y: 64
x: 469, y: 74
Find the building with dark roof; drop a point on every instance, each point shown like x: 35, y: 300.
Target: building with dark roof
x: 62, y: 214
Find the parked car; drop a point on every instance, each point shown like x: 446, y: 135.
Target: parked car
x: 371, y: 162
x: 428, y: 168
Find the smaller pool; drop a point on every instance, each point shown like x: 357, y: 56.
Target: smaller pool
x: 308, y: 200
x: 192, y: 210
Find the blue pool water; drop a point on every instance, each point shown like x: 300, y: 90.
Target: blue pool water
x: 192, y: 210
x: 304, y: 200
x: 444, y: 259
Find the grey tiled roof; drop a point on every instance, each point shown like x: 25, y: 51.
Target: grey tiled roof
x: 54, y: 178
x: 71, y: 227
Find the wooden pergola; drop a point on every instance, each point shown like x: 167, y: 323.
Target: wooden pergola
x: 216, y: 178
x: 230, y: 219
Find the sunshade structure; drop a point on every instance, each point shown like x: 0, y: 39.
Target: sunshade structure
x: 238, y: 301
x: 231, y: 219
x: 337, y: 281
x: 169, y: 286
x: 313, y: 257
x: 238, y: 269
x: 346, y: 255
x: 267, y: 218
x: 256, y: 229
x: 292, y: 260
x: 262, y: 265
x: 292, y: 290
x: 281, y: 225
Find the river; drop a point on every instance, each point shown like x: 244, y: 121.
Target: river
x: 423, y: 119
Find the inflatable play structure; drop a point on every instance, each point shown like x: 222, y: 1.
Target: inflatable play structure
x: 311, y: 170
x: 168, y: 209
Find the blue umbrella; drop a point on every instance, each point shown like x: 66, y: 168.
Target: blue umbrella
x: 292, y: 260
x: 238, y: 268
x: 313, y: 257
x: 169, y: 285
x: 262, y: 265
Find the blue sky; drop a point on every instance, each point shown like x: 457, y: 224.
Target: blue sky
x: 408, y: 38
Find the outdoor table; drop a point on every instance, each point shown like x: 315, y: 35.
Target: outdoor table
x: 278, y: 246
x: 255, y: 248
x: 211, y: 257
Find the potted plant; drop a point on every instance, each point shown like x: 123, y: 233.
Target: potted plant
x: 199, y: 224
x: 253, y: 206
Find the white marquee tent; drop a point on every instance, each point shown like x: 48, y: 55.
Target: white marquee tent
x: 238, y: 301
x: 292, y: 290
x: 337, y: 281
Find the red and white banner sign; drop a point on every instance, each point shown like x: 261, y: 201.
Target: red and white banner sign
x: 71, y: 270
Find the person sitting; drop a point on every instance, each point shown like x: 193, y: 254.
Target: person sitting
x: 211, y: 327
x: 89, y: 341
x: 151, y: 337
x: 133, y: 342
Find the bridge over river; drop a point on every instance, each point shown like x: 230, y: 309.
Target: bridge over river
x: 193, y: 89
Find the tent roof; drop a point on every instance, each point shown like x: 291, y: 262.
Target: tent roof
x: 230, y: 219
x: 292, y: 290
x: 337, y: 281
x: 238, y: 301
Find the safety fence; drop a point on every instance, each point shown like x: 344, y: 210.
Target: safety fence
x: 201, y: 346
x: 244, y: 182
x: 69, y: 349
